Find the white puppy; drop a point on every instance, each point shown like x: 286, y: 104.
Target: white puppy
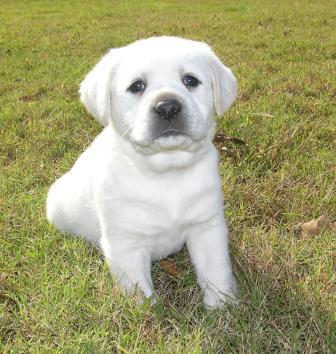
x: 149, y: 182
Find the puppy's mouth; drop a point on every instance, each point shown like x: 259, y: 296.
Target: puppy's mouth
x: 171, y: 132
x: 167, y: 140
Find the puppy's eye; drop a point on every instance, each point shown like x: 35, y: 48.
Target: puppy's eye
x: 190, y: 81
x: 137, y: 86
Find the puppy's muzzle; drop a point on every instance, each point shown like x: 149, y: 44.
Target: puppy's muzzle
x: 168, y: 109
x: 169, y: 119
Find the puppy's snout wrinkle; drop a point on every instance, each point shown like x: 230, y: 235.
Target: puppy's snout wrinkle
x: 168, y: 109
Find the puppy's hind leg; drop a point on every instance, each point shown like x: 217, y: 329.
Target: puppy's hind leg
x: 56, y: 213
x: 70, y: 209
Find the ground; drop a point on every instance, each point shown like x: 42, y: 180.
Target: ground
x: 56, y: 294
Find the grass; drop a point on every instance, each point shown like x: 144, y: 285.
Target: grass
x: 56, y: 294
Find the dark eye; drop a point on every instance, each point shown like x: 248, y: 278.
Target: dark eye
x: 137, y: 86
x: 190, y: 81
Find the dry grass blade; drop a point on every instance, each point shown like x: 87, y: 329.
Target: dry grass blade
x: 170, y: 268
x: 221, y: 138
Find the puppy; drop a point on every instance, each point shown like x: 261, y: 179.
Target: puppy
x: 149, y: 183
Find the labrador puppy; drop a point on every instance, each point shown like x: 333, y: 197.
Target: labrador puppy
x: 149, y: 183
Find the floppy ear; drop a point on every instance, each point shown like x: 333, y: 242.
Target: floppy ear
x: 224, y: 85
x: 95, y: 88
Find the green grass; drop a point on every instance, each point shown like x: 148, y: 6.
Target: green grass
x: 56, y: 294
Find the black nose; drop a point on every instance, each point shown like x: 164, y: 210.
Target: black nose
x: 168, y: 109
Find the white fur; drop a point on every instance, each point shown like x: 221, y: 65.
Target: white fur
x: 139, y: 199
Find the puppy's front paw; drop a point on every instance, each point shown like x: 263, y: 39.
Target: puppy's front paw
x: 137, y: 294
x: 214, y: 298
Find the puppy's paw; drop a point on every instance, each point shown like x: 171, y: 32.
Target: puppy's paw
x: 213, y: 298
x: 215, y: 301
x: 137, y: 294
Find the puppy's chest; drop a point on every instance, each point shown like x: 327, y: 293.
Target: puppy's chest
x: 156, y: 210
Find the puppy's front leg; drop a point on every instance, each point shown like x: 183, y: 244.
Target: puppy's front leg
x: 208, y: 249
x: 130, y: 266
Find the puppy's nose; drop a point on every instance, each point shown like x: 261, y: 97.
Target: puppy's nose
x: 168, y: 109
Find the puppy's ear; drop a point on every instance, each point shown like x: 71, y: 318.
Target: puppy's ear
x: 224, y: 85
x: 95, y: 89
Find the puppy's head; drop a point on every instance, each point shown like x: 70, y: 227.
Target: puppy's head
x: 160, y: 93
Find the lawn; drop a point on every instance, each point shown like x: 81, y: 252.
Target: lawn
x: 56, y: 294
